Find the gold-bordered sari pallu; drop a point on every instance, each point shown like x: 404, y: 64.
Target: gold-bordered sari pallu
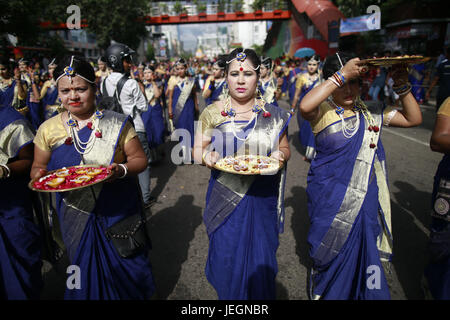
x: 245, y: 214
x: 355, y: 213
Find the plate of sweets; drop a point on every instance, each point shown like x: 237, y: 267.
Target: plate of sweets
x: 70, y: 178
x: 389, y: 61
x: 249, y: 165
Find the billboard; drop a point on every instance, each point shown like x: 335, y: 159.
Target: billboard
x: 362, y: 23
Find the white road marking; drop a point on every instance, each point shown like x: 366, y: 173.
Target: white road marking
x: 426, y: 144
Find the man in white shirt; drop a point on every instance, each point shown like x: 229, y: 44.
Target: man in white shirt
x: 133, y: 103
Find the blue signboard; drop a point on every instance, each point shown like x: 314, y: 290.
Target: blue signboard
x: 363, y: 23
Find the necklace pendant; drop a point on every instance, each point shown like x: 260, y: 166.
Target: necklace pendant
x: 339, y: 110
x: 256, y: 108
x: 98, y: 114
x: 72, y: 123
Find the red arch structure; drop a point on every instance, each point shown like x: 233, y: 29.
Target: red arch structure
x: 320, y: 12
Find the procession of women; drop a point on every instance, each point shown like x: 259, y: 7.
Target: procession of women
x: 68, y: 119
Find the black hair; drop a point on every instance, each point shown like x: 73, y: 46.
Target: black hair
x: 79, y: 65
x: 332, y: 63
x: 182, y: 61
x: 150, y: 67
x: 267, y: 62
x: 315, y: 57
x: 221, y: 61
x: 9, y: 64
x: 251, y: 55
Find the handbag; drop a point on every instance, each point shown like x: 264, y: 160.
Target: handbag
x: 129, y: 236
x: 441, y: 206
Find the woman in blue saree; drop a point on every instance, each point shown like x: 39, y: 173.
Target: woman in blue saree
x: 305, y: 82
x: 438, y: 270
x: 243, y: 214
x: 13, y: 91
x: 215, y: 84
x: 268, y: 85
x: 416, y: 77
x: 20, y: 259
x: 33, y: 102
x: 183, y: 105
x: 153, y: 118
x: 49, y: 94
x: 293, y: 74
x: 84, y: 135
x: 348, y: 197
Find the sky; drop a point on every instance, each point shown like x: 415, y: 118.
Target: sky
x: 189, y: 33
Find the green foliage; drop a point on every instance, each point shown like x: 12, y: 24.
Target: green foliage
x: 107, y: 19
x: 150, y: 53
x: 237, y: 5
x: 277, y: 4
x: 115, y: 20
x: 258, y: 49
x: 353, y: 8
x: 164, y: 8
x: 178, y: 7
x: 201, y: 7
x: 221, y: 5
x: 258, y: 5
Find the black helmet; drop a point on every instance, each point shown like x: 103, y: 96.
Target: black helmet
x: 115, y: 55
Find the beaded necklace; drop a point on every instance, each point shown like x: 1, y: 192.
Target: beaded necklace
x: 84, y: 147
x: 350, y: 131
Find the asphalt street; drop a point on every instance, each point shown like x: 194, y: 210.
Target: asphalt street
x: 180, y: 242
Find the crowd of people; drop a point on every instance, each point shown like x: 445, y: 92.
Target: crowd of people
x: 119, y: 114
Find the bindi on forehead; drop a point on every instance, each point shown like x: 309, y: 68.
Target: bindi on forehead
x: 241, y: 66
x: 74, y: 82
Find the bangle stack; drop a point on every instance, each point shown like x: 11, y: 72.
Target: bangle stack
x: 338, y: 79
x: 402, y: 89
x: 125, y: 169
x: 7, y: 170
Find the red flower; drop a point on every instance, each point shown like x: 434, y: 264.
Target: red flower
x: 376, y: 129
x: 68, y: 141
x: 98, y: 134
x: 89, y: 125
x: 266, y: 114
x: 370, y: 128
x: 223, y: 113
x: 372, y: 145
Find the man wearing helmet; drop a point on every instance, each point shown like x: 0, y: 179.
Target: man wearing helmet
x: 132, y: 100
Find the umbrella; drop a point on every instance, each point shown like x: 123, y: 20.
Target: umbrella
x: 304, y: 52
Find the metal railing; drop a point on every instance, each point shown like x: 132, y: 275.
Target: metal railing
x: 168, y: 8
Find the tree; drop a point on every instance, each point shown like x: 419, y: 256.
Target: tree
x: 237, y: 5
x: 115, y: 20
x: 258, y: 5
x: 353, y: 8
x: 150, y: 54
x: 107, y: 19
x: 258, y: 49
x: 178, y: 7
x: 221, y: 4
